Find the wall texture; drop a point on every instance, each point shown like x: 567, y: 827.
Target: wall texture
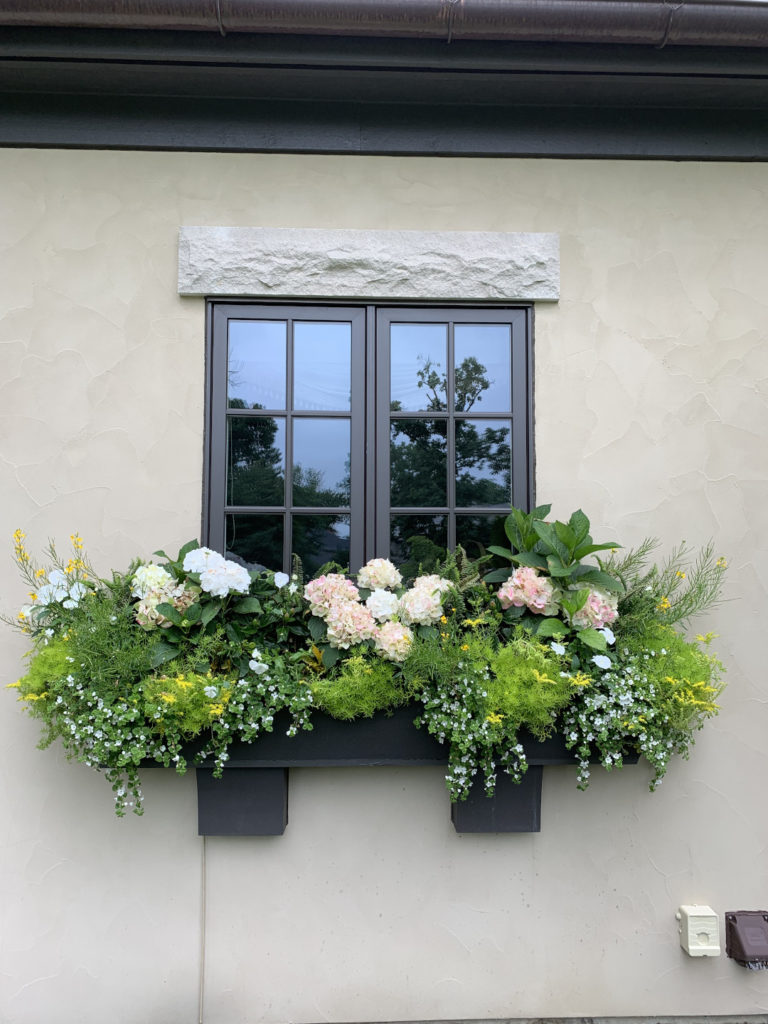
x: 651, y: 391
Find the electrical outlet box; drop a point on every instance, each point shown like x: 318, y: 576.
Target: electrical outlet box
x: 699, y: 930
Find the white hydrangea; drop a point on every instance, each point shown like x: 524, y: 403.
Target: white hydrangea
x: 382, y: 604
x: 149, y: 577
x: 379, y: 574
x: 200, y: 559
x: 420, y: 605
x: 225, y: 577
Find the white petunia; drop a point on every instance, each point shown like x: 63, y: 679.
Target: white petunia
x: 557, y: 648
x: 281, y: 578
x: 602, y: 661
x: 608, y: 634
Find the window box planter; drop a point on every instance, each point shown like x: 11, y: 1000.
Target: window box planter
x: 251, y: 798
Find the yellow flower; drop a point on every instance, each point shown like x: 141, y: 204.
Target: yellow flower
x: 215, y: 710
x: 465, y: 647
x: 473, y: 623
x: 32, y: 595
x: 706, y: 638
x: 183, y: 684
x: 39, y: 573
x: 580, y: 679
x: 664, y: 604
x: 13, y: 686
x: 680, y: 575
x: 494, y: 718
x: 721, y: 563
x: 168, y: 698
x: 443, y: 619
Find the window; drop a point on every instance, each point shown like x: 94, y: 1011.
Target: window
x: 349, y: 432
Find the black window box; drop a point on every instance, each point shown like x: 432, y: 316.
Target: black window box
x: 251, y: 798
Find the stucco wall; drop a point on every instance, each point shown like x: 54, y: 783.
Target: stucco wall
x: 650, y: 413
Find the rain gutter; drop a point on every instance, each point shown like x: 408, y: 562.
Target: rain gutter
x: 734, y: 23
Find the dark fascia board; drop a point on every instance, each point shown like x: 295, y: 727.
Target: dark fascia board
x: 159, y: 90
x: 97, y: 122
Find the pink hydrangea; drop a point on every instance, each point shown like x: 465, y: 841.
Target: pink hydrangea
x: 526, y: 588
x: 394, y: 641
x: 599, y: 610
x: 327, y: 591
x: 379, y: 574
x: 349, y: 623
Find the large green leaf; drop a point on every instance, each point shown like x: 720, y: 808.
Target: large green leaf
x: 547, y: 533
x: 191, y: 545
x: 248, y: 606
x: 163, y: 652
x: 593, y: 639
x: 556, y: 567
x: 551, y: 627
x: 210, y: 610
x: 566, y: 536
x: 503, y: 552
x: 497, y: 576
x: 579, y: 524
x: 316, y: 628
x: 588, y: 549
x: 600, y: 579
x: 193, y: 613
x: 531, y: 559
x: 169, y: 612
x: 330, y: 656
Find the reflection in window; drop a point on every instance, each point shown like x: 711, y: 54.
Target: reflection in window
x: 321, y: 462
x: 322, y: 366
x: 417, y: 543
x: 418, y: 360
x: 255, y: 460
x: 483, y: 462
x: 256, y: 364
x: 418, y: 462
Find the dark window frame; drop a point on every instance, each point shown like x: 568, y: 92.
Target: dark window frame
x: 370, y: 412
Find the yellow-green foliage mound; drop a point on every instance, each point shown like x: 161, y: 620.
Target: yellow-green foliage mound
x: 526, y: 685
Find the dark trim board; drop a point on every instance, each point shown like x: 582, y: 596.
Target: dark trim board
x: 218, y: 125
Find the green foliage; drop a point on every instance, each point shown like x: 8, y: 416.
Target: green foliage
x: 526, y: 684
x: 554, y: 548
x: 685, y: 585
x: 360, y: 687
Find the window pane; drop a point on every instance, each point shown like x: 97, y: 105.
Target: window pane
x: 418, y: 463
x: 483, y: 462
x: 255, y: 540
x: 322, y: 359
x: 256, y: 364
x: 483, y: 370
x: 476, y: 533
x: 417, y: 543
x: 418, y: 362
x: 321, y: 461
x: 255, y: 460
x: 320, y: 539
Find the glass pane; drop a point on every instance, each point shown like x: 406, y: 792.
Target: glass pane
x: 417, y: 543
x: 418, y: 462
x: 483, y: 462
x: 321, y: 539
x: 255, y: 541
x: 256, y: 366
x: 477, y: 533
x: 321, y: 461
x: 322, y: 361
x: 483, y: 369
x: 418, y: 354
x: 255, y: 460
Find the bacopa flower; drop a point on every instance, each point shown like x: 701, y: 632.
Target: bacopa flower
x: 379, y: 574
x: 599, y: 610
x: 526, y: 588
x: 382, y: 604
x: 394, y: 641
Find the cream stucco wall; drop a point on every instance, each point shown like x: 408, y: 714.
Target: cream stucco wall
x: 651, y: 412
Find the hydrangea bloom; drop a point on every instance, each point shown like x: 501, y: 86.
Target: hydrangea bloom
x: 421, y: 605
x: 526, y: 588
x: 149, y: 577
x: 382, y: 604
x: 327, y: 591
x: 394, y: 641
x: 147, y: 614
x: 600, y: 609
x: 349, y: 623
x: 225, y: 577
x: 433, y: 584
x: 379, y: 574
x: 200, y: 559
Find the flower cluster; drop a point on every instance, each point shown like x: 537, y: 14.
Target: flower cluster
x: 423, y: 603
x: 155, y: 586
x: 219, y: 576
x: 525, y: 588
x: 600, y: 609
